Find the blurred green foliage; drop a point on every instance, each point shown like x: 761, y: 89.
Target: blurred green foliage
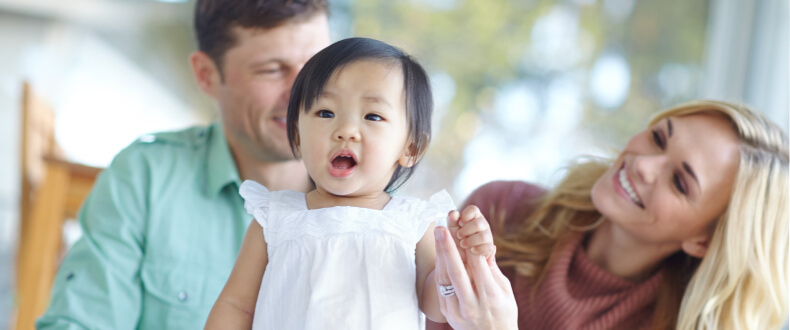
x: 484, y: 45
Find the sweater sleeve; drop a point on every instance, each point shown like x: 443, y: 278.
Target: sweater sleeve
x: 505, y: 201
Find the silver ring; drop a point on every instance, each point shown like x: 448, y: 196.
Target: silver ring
x: 446, y: 290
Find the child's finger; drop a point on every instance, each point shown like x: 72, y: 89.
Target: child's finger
x: 477, y: 239
x: 477, y: 225
x: 452, y: 220
x: 468, y: 214
x: 486, y: 250
x: 481, y: 243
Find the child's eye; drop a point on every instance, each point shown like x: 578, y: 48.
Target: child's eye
x: 373, y: 117
x: 325, y: 114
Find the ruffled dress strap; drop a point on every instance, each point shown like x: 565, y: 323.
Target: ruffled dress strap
x: 436, y: 210
x: 256, y: 201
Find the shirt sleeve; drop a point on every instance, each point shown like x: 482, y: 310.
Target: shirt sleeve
x: 98, y: 284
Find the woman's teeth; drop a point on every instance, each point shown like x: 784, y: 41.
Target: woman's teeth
x: 630, y: 190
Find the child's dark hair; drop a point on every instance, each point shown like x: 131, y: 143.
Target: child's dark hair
x: 419, y: 101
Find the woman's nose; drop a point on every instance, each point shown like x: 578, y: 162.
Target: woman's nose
x: 648, y: 167
x: 348, y: 130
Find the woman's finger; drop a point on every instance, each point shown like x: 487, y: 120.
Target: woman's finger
x: 449, y: 304
x: 441, y: 278
x: 449, y: 259
x: 453, y: 225
x: 500, y: 277
x: 484, y: 279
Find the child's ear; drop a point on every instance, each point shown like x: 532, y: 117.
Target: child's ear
x: 298, y: 147
x: 411, y: 155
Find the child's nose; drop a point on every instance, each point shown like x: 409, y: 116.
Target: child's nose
x: 348, y: 131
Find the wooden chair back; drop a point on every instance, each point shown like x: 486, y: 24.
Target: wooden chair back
x: 52, y: 190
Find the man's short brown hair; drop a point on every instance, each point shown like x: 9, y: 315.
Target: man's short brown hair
x: 215, y: 20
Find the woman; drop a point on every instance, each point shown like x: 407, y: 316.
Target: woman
x: 687, y: 229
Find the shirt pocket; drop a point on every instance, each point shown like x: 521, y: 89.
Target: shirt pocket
x: 178, y: 296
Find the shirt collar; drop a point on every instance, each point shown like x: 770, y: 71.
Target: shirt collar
x: 222, y: 169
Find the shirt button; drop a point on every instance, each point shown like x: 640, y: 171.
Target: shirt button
x: 69, y: 276
x: 148, y: 138
x: 201, y: 134
x: 182, y: 296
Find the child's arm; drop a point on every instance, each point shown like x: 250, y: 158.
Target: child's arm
x: 472, y: 233
x: 236, y: 304
x: 427, y: 293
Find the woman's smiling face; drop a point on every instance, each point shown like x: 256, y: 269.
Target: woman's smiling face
x: 671, y: 180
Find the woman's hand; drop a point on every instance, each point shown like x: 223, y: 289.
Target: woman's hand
x: 483, y: 297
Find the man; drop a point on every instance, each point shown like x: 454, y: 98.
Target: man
x: 164, y: 222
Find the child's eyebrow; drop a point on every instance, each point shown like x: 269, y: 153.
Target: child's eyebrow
x: 376, y: 99
x: 327, y: 93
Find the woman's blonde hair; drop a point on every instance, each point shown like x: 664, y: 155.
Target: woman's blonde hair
x: 741, y: 283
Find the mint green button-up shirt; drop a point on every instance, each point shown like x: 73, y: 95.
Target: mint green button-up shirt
x: 161, y: 231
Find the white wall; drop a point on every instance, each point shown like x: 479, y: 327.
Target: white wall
x: 747, y: 55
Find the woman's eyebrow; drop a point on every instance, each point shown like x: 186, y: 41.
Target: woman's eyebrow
x: 688, y: 169
x: 669, y: 127
x: 686, y: 165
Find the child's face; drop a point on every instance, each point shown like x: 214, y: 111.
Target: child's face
x: 355, y: 134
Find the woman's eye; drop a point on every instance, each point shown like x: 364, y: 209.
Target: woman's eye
x: 325, y: 114
x: 657, y: 139
x: 373, y: 117
x: 678, y: 184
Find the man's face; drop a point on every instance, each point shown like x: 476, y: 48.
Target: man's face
x: 258, y: 74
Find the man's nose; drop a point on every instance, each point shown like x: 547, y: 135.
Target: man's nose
x: 289, y: 82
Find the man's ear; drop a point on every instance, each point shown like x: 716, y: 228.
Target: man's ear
x: 206, y: 72
x: 697, y: 246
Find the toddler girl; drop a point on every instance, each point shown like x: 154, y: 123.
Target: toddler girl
x: 346, y: 255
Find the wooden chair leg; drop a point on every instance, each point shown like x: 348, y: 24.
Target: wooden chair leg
x: 38, y: 254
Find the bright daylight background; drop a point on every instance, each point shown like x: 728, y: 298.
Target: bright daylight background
x: 522, y: 86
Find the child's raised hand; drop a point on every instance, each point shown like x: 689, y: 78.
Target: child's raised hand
x: 474, y: 233
x: 453, y: 226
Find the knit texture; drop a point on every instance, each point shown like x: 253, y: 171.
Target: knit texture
x: 575, y: 293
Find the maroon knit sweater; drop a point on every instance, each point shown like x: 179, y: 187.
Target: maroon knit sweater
x: 575, y: 293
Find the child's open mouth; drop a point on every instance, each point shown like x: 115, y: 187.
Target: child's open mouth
x: 343, y: 164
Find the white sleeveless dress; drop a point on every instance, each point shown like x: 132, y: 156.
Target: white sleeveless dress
x: 340, y: 267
